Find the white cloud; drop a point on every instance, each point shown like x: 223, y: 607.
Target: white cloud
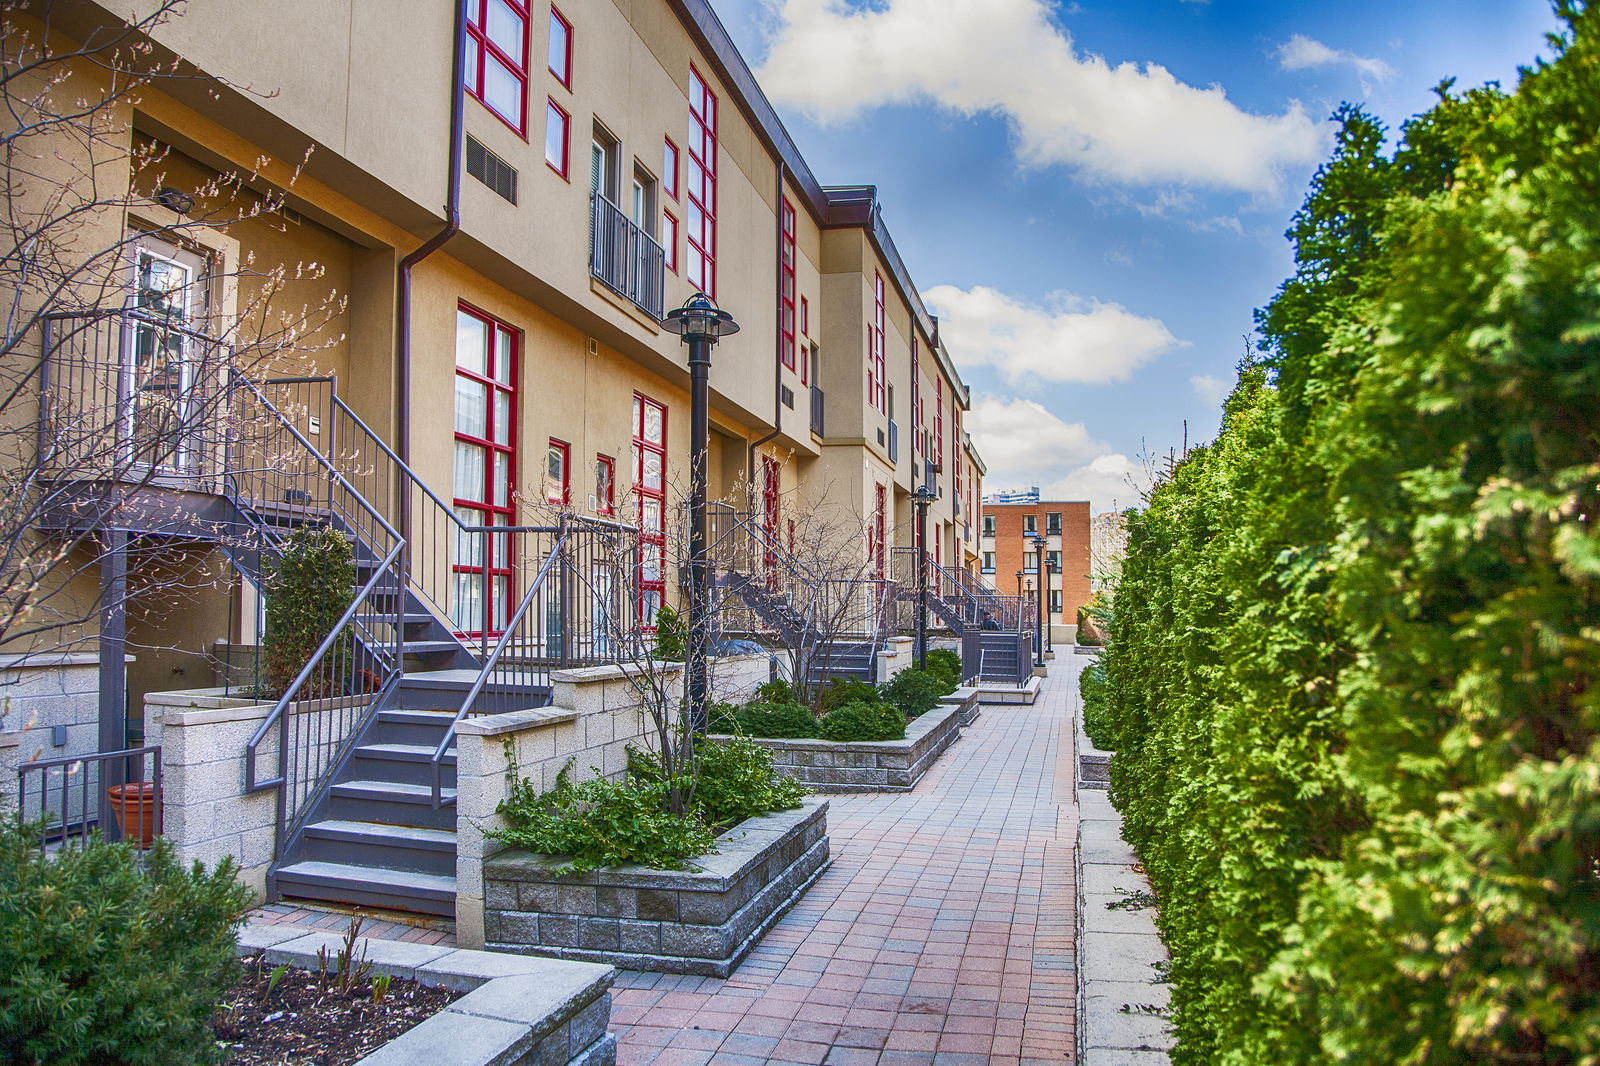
x: 1125, y: 123
x: 1068, y: 339
x: 1210, y: 391
x: 1023, y: 444
x: 1109, y: 482
x: 1307, y: 53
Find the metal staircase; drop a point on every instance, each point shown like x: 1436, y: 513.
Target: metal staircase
x: 996, y: 631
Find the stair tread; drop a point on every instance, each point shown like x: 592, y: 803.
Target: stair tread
x: 414, y: 647
x: 398, y: 833
x: 459, y: 676
x: 390, y: 789
x: 403, y: 752
x: 435, y: 886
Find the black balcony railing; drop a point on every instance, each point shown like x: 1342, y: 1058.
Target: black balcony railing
x: 894, y: 441
x: 624, y: 257
x: 817, y: 411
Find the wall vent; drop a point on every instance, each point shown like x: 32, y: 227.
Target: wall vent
x: 880, y: 437
x: 787, y: 395
x: 492, y: 170
x: 594, y: 346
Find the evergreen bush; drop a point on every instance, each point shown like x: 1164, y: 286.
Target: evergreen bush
x: 110, y: 957
x: 864, y: 721
x: 915, y: 692
x: 736, y: 780
x: 1352, y: 679
x: 672, y: 636
x: 308, y: 589
x: 840, y: 691
x: 777, y: 720
x: 946, y: 665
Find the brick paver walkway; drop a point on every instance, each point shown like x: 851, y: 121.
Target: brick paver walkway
x: 943, y: 934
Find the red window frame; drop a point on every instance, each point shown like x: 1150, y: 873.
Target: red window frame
x: 557, y: 18
x: 770, y: 502
x: 786, y: 284
x: 938, y: 422
x: 605, y: 502
x: 482, y: 52
x: 916, y: 393
x: 652, y: 539
x: 669, y: 240
x: 879, y: 531
x: 701, y: 223
x: 566, y: 138
x: 498, y: 568
x: 805, y: 332
x: 669, y: 168
x: 875, y: 366
x: 565, y: 495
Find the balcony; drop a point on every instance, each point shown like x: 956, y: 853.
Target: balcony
x: 818, y: 407
x: 624, y: 258
x: 894, y: 441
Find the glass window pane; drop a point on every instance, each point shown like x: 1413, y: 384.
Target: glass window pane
x: 472, y: 343
x: 502, y: 479
x: 469, y: 470
x: 652, y: 472
x: 506, y: 29
x: 471, y: 415
x: 559, y: 36
x: 469, y: 546
x: 502, y: 417
x: 650, y: 514
x: 555, y: 138
x: 501, y: 604
x: 653, y: 424
x: 505, y: 356
x: 502, y: 90
x: 466, y: 602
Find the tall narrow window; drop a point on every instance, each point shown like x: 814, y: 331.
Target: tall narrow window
x: 1052, y: 523
x: 805, y: 331
x: 485, y: 469
x: 605, y: 485
x: 560, y: 60
x: 557, y: 130
x: 988, y: 525
x: 938, y: 422
x: 916, y: 394
x: 769, y: 515
x: 879, y: 530
x: 876, y: 393
x: 700, y: 256
x: 669, y: 168
x: 497, y: 58
x: 557, y: 473
x: 669, y: 240
x: 786, y: 285
x: 650, y: 489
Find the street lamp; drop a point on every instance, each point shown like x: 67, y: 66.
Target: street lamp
x: 923, y: 498
x: 1040, y: 542
x: 701, y: 324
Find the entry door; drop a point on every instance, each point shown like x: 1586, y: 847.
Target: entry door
x: 162, y: 352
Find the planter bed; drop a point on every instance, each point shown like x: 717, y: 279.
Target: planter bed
x: 703, y: 920
x: 517, y: 1011
x: 871, y: 765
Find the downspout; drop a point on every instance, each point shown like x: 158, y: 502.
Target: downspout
x: 777, y: 363
x: 451, y: 227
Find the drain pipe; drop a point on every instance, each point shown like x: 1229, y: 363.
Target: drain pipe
x: 451, y: 227
x: 777, y: 363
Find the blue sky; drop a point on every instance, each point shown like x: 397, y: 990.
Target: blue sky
x: 1092, y: 196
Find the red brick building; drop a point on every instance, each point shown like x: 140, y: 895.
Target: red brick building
x: 1007, y: 552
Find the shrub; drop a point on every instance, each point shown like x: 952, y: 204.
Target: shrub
x: 597, y: 822
x: 672, y: 636
x: 915, y: 692
x: 840, y: 691
x: 1097, y: 720
x: 308, y: 589
x: 111, y: 957
x: 722, y: 717
x: 777, y: 720
x: 946, y: 665
x: 736, y: 781
x: 864, y: 721
x: 777, y: 690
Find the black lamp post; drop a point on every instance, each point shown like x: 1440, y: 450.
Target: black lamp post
x: 701, y: 324
x: 1039, y: 542
x: 923, y: 498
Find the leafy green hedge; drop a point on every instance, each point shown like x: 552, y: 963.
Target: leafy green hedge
x: 1353, y: 676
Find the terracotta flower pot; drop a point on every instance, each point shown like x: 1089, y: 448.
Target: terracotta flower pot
x: 134, y: 806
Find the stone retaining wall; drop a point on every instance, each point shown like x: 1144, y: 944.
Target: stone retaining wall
x: 698, y: 921
x: 875, y: 765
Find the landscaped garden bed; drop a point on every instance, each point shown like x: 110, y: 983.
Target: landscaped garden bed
x: 870, y: 765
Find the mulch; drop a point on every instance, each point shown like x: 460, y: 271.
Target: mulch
x: 303, y: 1018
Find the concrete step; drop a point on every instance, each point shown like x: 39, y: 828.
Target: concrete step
x: 369, y: 886
x: 402, y: 763
x: 389, y: 847
x: 415, y: 726
x: 391, y: 802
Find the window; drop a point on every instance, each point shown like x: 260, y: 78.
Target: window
x: 497, y: 58
x: 876, y: 395
x: 1053, y: 560
x: 650, y: 490
x: 786, y: 285
x: 877, y: 532
x: 642, y: 200
x: 701, y: 253
x: 1052, y: 523
x: 485, y: 469
x: 938, y: 422
x: 1055, y: 601
x: 669, y: 168
x: 669, y: 240
x: 556, y: 129
x: 1030, y: 523
x: 916, y: 395
x: 988, y: 562
x: 988, y: 525
x: 560, y: 51
x: 557, y: 484
x: 605, y: 484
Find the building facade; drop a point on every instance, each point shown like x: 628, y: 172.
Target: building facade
x: 1009, y: 560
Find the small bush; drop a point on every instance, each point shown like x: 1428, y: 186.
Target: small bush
x: 786, y: 721
x: 777, y: 691
x: 914, y: 692
x: 109, y: 957
x: 839, y: 692
x: 599, y: 823
x: 672, y: 636
x: 864, y: 721
x: 946, y: 665
x: 723, y: 717
x: 736, y: 781
x: 1097, y: 718
x: 308, y: 588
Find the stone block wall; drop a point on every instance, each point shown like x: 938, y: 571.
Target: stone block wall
x: 898, y: 653
x: 703, y: 920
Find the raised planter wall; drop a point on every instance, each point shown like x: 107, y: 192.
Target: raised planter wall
x: 702, y: 920
x: 875, y: 765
